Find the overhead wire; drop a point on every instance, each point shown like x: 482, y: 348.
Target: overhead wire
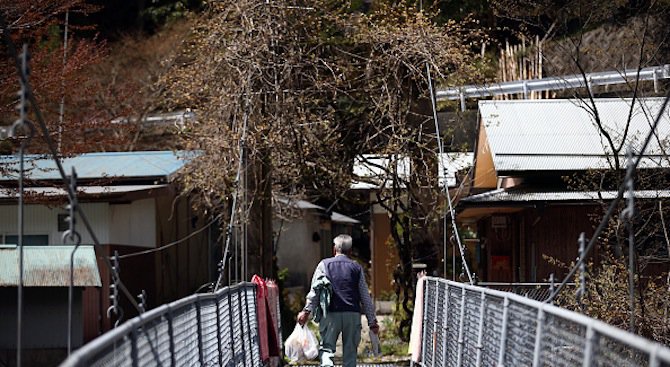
x: 173, y: 243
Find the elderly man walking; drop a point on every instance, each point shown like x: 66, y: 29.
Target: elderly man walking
x: 349, y: 297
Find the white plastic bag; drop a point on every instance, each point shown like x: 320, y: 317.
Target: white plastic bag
x: 301, y: 344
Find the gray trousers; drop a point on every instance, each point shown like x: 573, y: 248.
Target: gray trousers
x: 335, y: 323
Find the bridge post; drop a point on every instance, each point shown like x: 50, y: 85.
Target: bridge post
x: 133, y: 346
x: 435, y: 331
x: 239, y: 305
x: 503, y: 333
x: 173, y: 360
x: 588, y: 348
x: 424, y: 322
x: 198, y: 314
x: 461, y: 324
x: 445, y: 327
x: 480, y: 333
x: 231, y: 343
x: 218, y: 329
x: 249, y: 328
x: 538, y: 337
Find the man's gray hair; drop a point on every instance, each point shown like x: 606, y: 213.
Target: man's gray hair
x: 342, y: 243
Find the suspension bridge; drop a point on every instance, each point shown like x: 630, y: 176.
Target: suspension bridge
x: 459, y: 325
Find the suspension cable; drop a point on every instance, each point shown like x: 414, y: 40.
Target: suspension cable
x: 168, y: 245
x: 446, y: 185
x: 229, y: 230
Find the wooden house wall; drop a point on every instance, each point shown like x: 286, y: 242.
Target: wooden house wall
x: 554, y: 233
x: 520, y: 251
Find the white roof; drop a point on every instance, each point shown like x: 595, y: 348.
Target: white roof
x: 372, y: 171
x: 561, y: 134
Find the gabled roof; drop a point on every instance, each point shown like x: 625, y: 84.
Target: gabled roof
x: 48, y: 266
x: 130, y: 165
x: 561, y: 134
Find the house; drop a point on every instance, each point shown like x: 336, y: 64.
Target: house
x: 45, y: 300
x: 374, y: 173
x: 521, y: 206
x: 134, y: 209
x: 304, y: 235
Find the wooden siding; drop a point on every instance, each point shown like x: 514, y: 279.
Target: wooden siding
x: 520, y: 250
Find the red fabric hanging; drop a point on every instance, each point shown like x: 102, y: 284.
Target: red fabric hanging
x: 261, y: 314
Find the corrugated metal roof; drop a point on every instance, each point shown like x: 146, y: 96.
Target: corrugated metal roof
x: 100, y: 165
x: 6, y: 193
x: 520, y: 195
x: 48, y: 266
x: 561, y: 134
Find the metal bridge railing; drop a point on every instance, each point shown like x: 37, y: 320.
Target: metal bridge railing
x: 213, y: 329
x: 466, y: 325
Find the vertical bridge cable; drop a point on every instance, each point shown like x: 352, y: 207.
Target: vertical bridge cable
x: 229, y: 230
x: 446, y: 188
x: 71, y: 235
x: 628, y: 214
x: 20, y: 127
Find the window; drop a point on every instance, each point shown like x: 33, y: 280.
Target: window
x: 28, y: 239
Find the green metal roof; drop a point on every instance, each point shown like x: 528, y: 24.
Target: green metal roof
x: 48, y: 266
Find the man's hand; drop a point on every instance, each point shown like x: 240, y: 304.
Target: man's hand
x: 303, y: 316
x: 375, y: 328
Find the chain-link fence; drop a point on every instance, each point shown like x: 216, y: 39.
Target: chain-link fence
x: 213, y: 329
x: 466, y: 325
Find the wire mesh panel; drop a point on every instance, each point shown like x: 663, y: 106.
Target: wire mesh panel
x: 209, y: 332
x: 186, y: 344
x: 225, y: 328
x: 237, y: 332
x: 455, y: 301
x: 117, y: 353
x: 493, y: 315
x: 215, y: 329
x: 610, y: 352
x: 562, y: 342
x: 466, y: 325
x: 520, y: 339
x: 429, y: 317
x: 153, y: 343
x: 472, y: 326
x: 254, y: 357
